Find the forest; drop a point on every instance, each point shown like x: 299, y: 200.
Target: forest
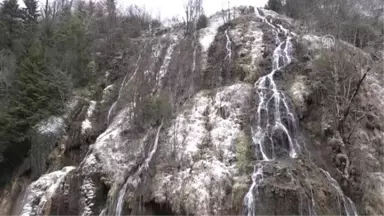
x: 49, y: 51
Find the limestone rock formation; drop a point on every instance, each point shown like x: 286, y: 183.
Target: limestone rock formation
x: 242, y: 132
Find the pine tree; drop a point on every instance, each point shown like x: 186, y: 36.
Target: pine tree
x: 31, y: 10
x: 274, y: 5
x: 39, y: 92
x: 34, y: 96
x: 11, y: 27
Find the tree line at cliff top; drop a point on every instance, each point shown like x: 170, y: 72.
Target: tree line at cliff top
x: 355, y: 21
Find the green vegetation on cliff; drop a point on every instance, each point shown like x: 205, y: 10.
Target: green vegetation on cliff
x: 46, y: 51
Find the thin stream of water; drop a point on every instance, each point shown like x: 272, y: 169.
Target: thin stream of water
x: 134, y: 179
x: 228, y: 46
x: 112, y: 108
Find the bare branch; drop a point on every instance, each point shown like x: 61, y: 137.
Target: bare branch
x: 354, y: 126
x: 193, y: 9
x: 346, y: 112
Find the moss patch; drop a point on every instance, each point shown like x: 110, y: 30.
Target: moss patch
x: 243, y: 153
x: 240, y: 188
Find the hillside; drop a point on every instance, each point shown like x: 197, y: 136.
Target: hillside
x: 251, y: 114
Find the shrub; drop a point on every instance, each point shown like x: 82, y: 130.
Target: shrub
x: 152, y: 109
x: 202, y: 22
x: 242, y: 152
x: 355, y: 31
x: 274, y: 5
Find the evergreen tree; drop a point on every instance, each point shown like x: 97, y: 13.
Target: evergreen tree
x: 11, y: 27
x: 42, y: 56
x: 274, y: 5
x: 31, y: 10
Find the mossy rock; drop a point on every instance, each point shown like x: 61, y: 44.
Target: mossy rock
x: 243, y: 153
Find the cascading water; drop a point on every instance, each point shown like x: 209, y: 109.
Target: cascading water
x: 311, y: 205
x: 135, y: 178
x: 167, y: 60
x: 275, y: 126
x: 112, y: 109
x: 275, y: 121
x: 349, y: 206
x: 228, y: 45
x: 195, y: 42
x: 249, y: 200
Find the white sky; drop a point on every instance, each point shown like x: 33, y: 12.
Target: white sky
x: 170, y: 8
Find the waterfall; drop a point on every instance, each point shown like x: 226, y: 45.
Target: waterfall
x: 103, y: 212
x: 167, y: 60
x: 275, y: 121
x: 249, y: 200
x: 349, y: 206
x: 194, y: 55
x: 228, y: 45
x: 154, y: 149
x: 311, y: 208
x: 110, y: 111
x: 275, y: 126
x: 112, y: 108
x: 120, y: 199
x: 135, y: 178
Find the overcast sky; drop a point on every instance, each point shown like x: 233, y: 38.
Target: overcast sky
x: 170, y: 8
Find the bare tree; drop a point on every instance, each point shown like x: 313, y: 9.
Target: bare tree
x: 343, y: 76
x: 136, y: 19
x: 54, y: 8
x: 342, y: 72
x: 193, y: 9
x: 226, y: 14
x: 373, y: 8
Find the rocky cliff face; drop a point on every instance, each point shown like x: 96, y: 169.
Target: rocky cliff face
x: 246, y: 133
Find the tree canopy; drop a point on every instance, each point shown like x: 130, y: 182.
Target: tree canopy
x: 45, y: 52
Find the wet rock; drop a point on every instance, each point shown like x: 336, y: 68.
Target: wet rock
x: 298, y: 89
x: 205, y: 156
x: 202, y: 182
x: 44, y: 139
x: 290, y: 188
x: 38, y: 197
x: 373, y: 199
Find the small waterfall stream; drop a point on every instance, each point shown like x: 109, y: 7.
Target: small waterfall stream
x: 228, y: 45
x: 195, y: 42
x: 112, y: 108
x: 135, y: 179
x: 167, y: 60
x: 257, y: 178
x: 349, y: 206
